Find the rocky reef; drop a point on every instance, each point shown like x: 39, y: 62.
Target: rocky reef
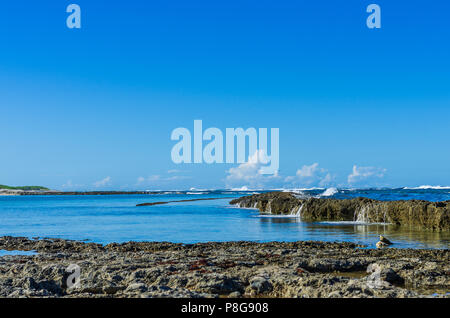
x: 231, y: 269
x: 422, y: 214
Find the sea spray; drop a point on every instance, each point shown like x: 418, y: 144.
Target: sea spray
x: 297, y: 211
x: 361, y: 215
x: 293, y: 211
x: 270, y: 207
x: 329, y: 192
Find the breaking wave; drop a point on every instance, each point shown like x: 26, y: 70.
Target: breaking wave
x: 427, y: 187
x: 329, y: 192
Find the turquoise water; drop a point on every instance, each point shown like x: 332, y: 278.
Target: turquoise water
x: 15, y: 253
x: 115, y: 218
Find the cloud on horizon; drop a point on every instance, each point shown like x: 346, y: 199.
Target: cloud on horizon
x: 360, y: 174
x: 103, y: 183
x: 70, y: 185
x: 250, y: 173
x: 312, y: 175
x: 159, y: 179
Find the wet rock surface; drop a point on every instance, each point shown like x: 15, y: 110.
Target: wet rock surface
x: 231, y: 269
x: 421, y: 214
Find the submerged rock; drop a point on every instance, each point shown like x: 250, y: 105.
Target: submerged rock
x: 381, y: 244
x: 385, y: 240
x: 422, y: 214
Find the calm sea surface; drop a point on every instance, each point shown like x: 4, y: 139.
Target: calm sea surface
x: 115, y: 218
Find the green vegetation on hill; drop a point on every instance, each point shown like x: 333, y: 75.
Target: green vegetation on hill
x: 25, y: 188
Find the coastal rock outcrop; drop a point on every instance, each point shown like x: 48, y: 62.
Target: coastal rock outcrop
x: 228, y: 269
x: 416, y: 213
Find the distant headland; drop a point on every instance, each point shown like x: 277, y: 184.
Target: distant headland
x: 38, y: 190
x: 24, y: 188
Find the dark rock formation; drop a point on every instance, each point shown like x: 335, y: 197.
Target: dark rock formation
x: 229, y: 269
x: 423, y: 214
x: 176, y: 201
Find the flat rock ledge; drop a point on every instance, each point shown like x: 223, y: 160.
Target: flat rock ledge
x: 231, y: 269
x: 415, y: 213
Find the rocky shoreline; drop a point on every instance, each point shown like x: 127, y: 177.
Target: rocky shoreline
x: 416, y: 213
x: 231, y: 269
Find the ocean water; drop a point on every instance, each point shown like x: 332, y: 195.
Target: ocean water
x: 15, y: 253
x: 115, y: 218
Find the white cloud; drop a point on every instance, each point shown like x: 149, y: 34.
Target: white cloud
x: 103, y: 182
x: 327, y: 180
x: 161, y: 179
x: 250, y: 172
x: 308, y: 171
x: 70, y: 185
x: 154, y: 178
x: 140, y: 180
x: 363, y: 173
x: 312, y: 175
x: 172, y: 178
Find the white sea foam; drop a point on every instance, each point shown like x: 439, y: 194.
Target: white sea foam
x: 244, y: 188
x: 329, y: 192
x: 203, y: 190
x: 270, y: 207
x: 277, y: 216
x: 238, y: 206
x: 297, y: 212
x: 362, y: 215
x: 294, y: 190
x: 352, y: 223
x: 428, y: 187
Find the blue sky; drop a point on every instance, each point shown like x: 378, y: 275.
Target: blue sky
x: 94, y: 108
